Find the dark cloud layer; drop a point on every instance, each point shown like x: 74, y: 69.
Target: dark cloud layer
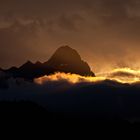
x: 106, y: 98
x: 105, y: 32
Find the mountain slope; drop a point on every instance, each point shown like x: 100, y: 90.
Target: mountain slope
x: 65, y: 59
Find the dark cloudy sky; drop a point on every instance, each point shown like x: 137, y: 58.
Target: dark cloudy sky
x: 105, y: 32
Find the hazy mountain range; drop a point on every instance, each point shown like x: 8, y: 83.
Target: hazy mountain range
x: 65, y: 59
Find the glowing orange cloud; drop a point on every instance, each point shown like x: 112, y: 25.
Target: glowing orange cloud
x: 71, y: 78
x: 122, y: 75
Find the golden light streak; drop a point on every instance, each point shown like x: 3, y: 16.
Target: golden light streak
x: 71, y: 78
x: 120, y: 75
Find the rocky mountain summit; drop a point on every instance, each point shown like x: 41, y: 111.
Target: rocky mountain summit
x: 65, y: 59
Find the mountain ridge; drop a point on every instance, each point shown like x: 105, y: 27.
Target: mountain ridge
x: 65, y: 59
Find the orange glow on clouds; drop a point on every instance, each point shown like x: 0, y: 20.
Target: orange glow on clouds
x: 71, y: 78
x: 122, y: 75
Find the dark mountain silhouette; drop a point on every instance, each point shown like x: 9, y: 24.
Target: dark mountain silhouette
x: 20, y: 107
x: 3, y: 80
x: 65, y: 59
x: 29, y: 113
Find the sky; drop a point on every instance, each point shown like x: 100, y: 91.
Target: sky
x: 106, y: 33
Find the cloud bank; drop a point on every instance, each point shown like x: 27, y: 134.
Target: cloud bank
x: 122, y: 76
x: 84, y: 96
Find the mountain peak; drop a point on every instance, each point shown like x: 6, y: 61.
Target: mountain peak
x: 64, y: 55
x: 66, y: 48
x: 27, y: 64
x: 67, y: 59
x: 38, y: 63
